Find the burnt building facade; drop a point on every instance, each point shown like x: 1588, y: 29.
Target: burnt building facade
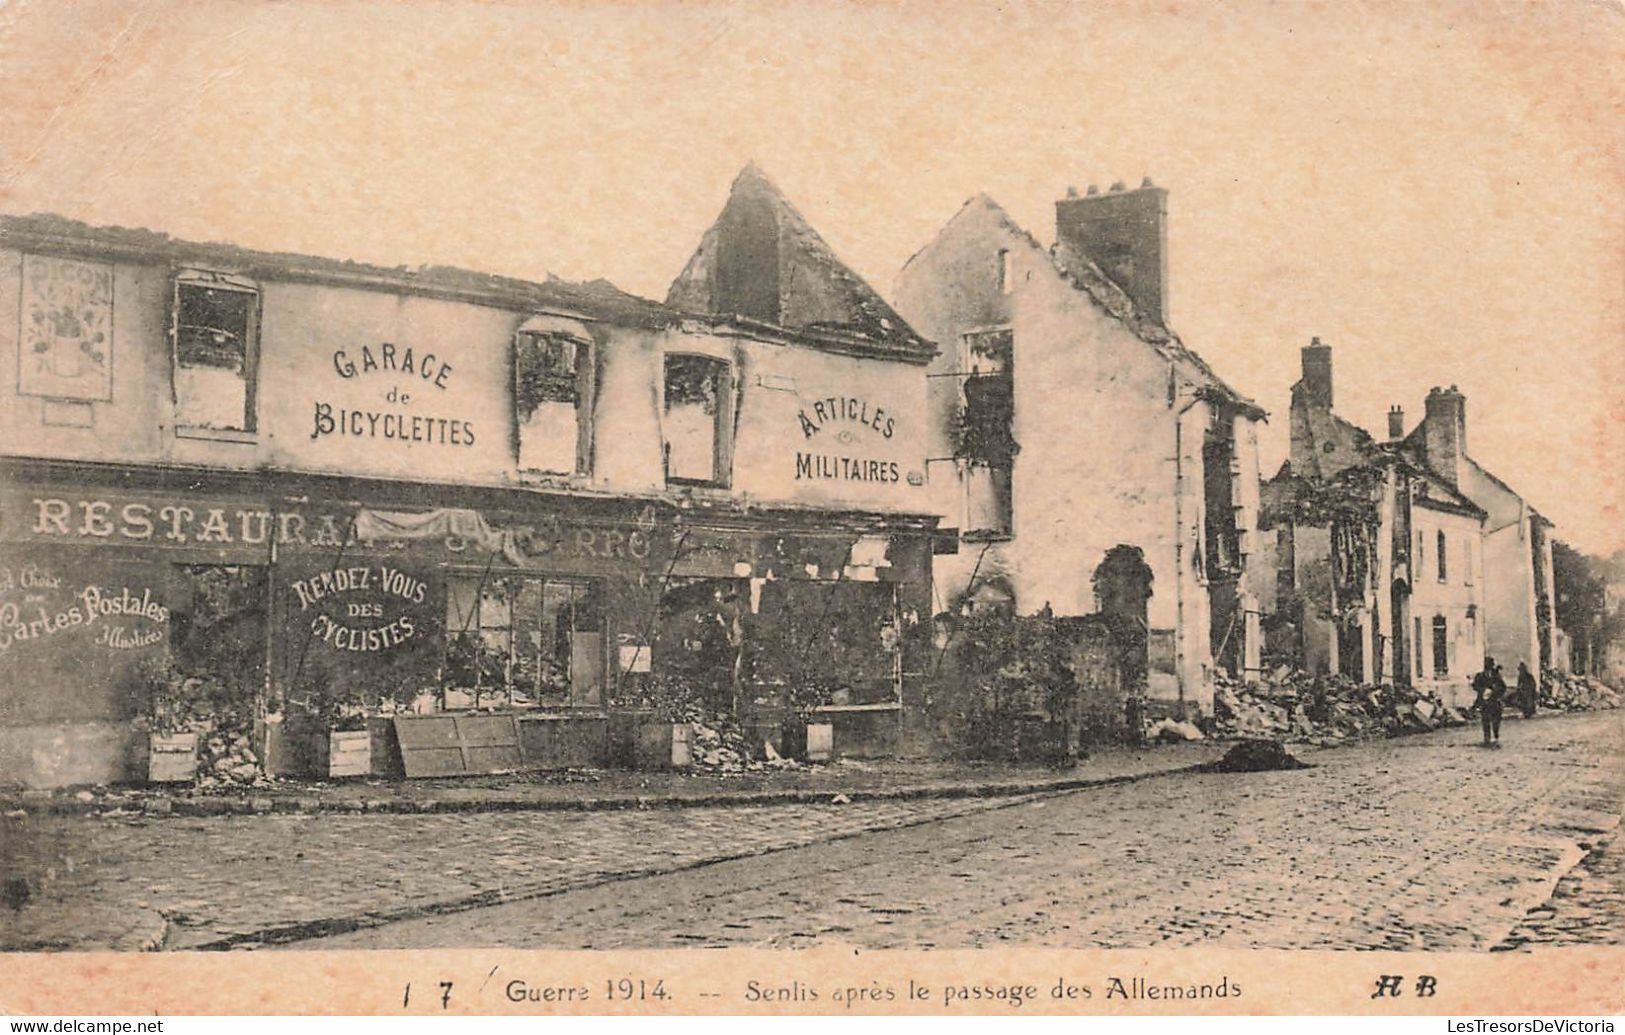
x: 451, y: 490
x: 1085, y: 457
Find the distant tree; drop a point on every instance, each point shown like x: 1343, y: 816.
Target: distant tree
x: 1582, y: 608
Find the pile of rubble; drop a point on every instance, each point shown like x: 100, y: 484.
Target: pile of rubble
x: 227, y: 759
x: 1563, y: 692
x: 1323, y: 710
x: 722, y: 747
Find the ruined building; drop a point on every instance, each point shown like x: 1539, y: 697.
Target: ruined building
x: 506, y: 507
x: 1398, y: 560
x: 1086, y: 459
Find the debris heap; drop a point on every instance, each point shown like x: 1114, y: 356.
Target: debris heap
x: 1324, y: 710
x: 722, y: 747
x: 226, y: 758
x: 1561, y: 691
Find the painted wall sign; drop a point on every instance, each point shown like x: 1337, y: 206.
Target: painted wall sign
x: 67, y: 329
x: 360, y: 608
x: 414, y: 371
x: 851, y: 410
x: 848, y: 417
x: 39, y: 604
x: 164, y: 521
x: 635, y: 537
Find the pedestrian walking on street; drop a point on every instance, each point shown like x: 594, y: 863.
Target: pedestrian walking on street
x: 1490, y: 692
x: 1527, y: 690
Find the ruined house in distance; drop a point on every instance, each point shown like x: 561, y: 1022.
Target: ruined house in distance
x: 1399, y: 560
x: 1087, y: 459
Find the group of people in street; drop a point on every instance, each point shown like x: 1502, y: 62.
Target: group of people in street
x: 1490, y: 695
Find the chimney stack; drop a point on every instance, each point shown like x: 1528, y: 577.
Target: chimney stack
x: 1444, y: 434
x: 1396, y: 423
x: 1317, y: 373
x: 1125, y: 233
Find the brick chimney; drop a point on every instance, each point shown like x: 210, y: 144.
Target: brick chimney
x: 1317, y: 373
x: 1444, y: 432
x: 1125, y: 233
x: 1396, y: 423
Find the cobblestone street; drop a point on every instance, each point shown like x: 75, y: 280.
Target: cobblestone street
x: 1420, y: 843
x: 1424, y: 842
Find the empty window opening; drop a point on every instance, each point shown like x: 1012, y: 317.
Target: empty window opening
x: 553, y: 402
x: 698, y: 421
x: 216, y: 352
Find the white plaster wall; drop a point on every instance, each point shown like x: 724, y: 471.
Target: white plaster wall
x: 1461, y: 592
x: 1096, y: 426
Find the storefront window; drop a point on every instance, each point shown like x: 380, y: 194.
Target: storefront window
x: 218, y: 629
x: 844, y: 635
x: 523, y: 641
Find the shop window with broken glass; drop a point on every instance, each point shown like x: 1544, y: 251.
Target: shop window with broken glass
x: 219, y: 622
x: 523, y: 642
x: 844, y: 636
x: 984, y: 435
x: 216, y: 327
x: 553, y: 402
x: 697, y: 421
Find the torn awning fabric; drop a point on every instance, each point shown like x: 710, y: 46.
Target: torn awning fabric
x: 447, y: 523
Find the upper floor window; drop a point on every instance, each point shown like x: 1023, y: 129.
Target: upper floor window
x: 698, y: 421
x: 1007, y: 271
x: 1442, y: 561
x: 553, y: 382
x: 216, y: 350
x: 1467, y: 560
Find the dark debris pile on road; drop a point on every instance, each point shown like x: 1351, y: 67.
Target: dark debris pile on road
x: 1256, y: 756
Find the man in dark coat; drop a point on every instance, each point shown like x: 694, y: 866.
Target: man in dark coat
x: 1490, y: 691
x: 1528, y: 690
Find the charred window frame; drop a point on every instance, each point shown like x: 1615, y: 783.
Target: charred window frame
x: 214, y: 351
x: 1442, y: 561
x: 554, y: 382
x: 697, y: 419
x: 1220, y: 472
x: 984, y: 432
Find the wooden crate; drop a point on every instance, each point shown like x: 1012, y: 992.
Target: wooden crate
x: 172, y: 758
x: 349, y: 753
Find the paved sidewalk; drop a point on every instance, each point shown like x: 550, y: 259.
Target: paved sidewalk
x: 614, y: 789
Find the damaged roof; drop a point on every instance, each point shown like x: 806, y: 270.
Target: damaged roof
x: 761, y: 262
x: 1087, y: 277
x: 597, y: 299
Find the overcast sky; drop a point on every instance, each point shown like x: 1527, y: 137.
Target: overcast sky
x: 1436, y: 190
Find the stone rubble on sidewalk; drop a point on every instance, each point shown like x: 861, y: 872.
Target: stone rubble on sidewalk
x: 1561, y: 691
